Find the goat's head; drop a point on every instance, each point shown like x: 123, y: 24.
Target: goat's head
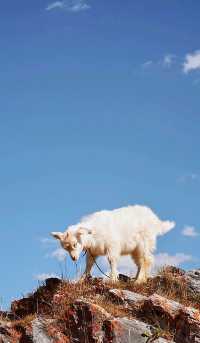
x: 72, y: 241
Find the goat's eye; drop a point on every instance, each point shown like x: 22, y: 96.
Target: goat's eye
x: 75, y: 245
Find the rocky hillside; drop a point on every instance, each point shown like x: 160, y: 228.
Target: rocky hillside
x: 166, y: 309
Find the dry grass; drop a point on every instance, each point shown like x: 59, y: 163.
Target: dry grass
x: 92, y: 292
x: 158, y: 332
x: 54, y: 298
x: 169, y: 283
x: 24, y: 322
x: 55, y: 302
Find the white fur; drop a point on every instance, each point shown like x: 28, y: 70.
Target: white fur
x: 129, y: 230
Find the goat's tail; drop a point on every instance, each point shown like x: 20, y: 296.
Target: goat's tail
x: 165, y: 226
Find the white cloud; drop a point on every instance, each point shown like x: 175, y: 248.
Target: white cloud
x: 44, y: 276
x: 54, y: 5
x: 190, y: 231
x: 165, y: 62
x: 192, y: 62
x: 147, y: 64
x: 48, y: 241
x: 79, y: 5
x: 126, y: 265
x: 163, y: 259
x: 59, y: 254
x: 69, y: 5
x: 168, y: 60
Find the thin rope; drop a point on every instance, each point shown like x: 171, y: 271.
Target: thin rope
x: 86, y: 251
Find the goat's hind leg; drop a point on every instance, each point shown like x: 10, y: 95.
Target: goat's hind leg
x: 143, y: 260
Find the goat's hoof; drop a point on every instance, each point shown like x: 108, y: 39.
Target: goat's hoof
x: 140, y: 281
x: 85, y: 278
x: 110, y: 279
x: 114, y: 279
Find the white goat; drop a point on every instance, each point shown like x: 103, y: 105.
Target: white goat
x: 128, y: 230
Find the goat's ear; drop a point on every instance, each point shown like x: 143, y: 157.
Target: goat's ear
x: 57, y: 235
x: 83, y: 231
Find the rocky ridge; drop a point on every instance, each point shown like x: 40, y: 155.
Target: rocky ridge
x: 165, y: 309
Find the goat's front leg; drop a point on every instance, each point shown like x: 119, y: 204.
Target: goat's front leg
x: 89, y: 264
x: 113, y: 259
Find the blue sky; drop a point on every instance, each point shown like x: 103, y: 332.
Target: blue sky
x: 99, y: 109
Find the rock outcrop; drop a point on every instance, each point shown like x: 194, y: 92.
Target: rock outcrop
x: 166, y: 309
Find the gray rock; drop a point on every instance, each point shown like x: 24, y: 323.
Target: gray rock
x: 170, y: 315
x: 5, y: 339
x: 85, y: 321
x: 39, y: 332
x: 5, y: 336
x: 193, y: 279
x: 126, y: 297
x: 123, y: 330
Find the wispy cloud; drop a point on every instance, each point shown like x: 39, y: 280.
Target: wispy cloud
x: 69, y: 5
x: 55, y: 5
x: 192, y: 62
x: 127, y: 267
x: 188, y: 177
x: 48, y: 241
x: 190, y: 231
x: 59, y: 254
x: 168, y: 60
x: 147, y: 64
x: 44, y: 276
x: 163, y: 259
x: 78, y: 5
